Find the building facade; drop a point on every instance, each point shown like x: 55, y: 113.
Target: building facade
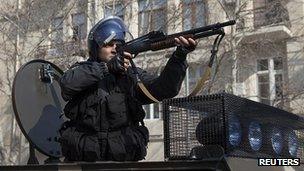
x: 260, y: 58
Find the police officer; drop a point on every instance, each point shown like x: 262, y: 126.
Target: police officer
x: 104, y: 101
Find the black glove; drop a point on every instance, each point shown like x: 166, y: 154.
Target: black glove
x: 181, y: 53
x: 116, y: 65
x: 186, y: 49
x: 183, y: 48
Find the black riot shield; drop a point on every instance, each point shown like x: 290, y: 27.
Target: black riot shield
x: 38, y: 105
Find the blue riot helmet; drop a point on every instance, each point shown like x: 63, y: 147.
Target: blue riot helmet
x: 105, y: 31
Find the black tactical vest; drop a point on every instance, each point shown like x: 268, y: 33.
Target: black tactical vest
x: 104, y: 124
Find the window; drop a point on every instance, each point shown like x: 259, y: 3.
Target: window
x: 57, y: 31
x: 78, y: 22
x: 156, y: 110
x: 194, y: 14
x: 263, y: 80
x: 153, y: 111
x: 268, y: 12
x: 270, y: 80
x: 147, y: 110
x: 278, y: 63
x: 152, y: 16
x: 262, y: 64
x: 117, y: 9
x: 278, y: 86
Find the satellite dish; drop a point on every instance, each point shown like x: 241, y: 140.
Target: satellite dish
x: 38, y: 105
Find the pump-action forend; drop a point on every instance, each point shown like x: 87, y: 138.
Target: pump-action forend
x: 157, y: 40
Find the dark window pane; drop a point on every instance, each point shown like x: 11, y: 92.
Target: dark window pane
x: 263, y: 78
x: 147, y: 110
x: 194, y: 14
x: 143, y: 23
x: 276, y: 13
x: 76, y: 30
x: 279, y: 85
x: 160, y: 110
x: 57, y: 36
x: 57, y: 28
x: 278, y: 78
x: 262, y: 64
x: 263, y: 82
x: 200, y: 19
x: 152, y: 16
x: 187, y: 17
x: 156, y: 110
x: 264, y: 90
x: 143, y: 16
x: 278, y: 63
x: 78, y: 21
x: 159, y: 20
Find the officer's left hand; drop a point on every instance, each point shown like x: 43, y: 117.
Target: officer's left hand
x: 189, y: 44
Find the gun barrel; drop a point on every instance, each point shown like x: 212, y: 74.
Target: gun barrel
x: 228, y: 23
x: 205, y: 28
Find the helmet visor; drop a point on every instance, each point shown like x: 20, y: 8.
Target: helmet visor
x: 110, y: 29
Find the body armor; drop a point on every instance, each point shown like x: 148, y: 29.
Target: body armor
x: 104, y: 125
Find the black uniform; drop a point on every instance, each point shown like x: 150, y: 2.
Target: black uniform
x: 105, y: 110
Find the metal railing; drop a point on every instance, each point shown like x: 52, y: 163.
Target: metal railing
x: 274, y: 15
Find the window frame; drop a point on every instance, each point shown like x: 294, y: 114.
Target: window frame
x: 111, y: 6
x: 57, y: 32
x: 271, y: 72
x: 151, y: 112
x: 262, y: 10
x: 80, y: 28
x: 194, y: 6
x: 150, y: 10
